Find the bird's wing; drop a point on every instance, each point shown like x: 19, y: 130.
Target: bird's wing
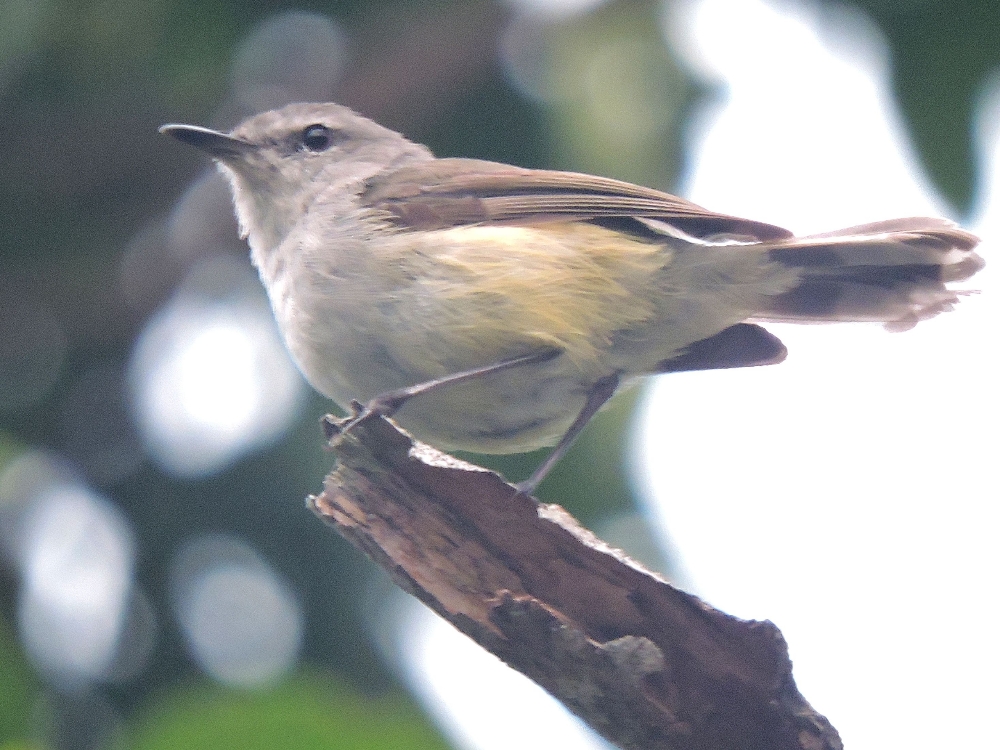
x: 441, y: 193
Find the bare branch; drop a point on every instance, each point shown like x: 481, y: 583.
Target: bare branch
x: 645, y: 664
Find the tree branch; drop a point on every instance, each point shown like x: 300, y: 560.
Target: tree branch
x: 645, y: 664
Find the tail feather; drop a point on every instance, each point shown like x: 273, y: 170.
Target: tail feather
x: 894, y: 272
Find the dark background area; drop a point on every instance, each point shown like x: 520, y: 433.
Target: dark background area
x: 87, y: 180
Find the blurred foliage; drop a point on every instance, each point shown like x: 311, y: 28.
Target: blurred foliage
x: 19, y: 692
x: 9, y: 449
x: 942, y: 54
x: 306, y: 713
x: 83, y: 86
x: 617, y: 94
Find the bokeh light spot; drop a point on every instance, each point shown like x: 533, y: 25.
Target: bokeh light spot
x: 210, y: 377
x: 241, y: 621
x: 214, y: 372
x: 292, y: 56
x: 76, y: 569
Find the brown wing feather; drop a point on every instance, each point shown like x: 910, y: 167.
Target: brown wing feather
x: 929, y: 230
x: 441, y: 193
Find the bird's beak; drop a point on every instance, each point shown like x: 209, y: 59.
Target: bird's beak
x: 215, y: 144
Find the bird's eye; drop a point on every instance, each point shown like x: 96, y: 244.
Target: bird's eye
x: 317, y: 138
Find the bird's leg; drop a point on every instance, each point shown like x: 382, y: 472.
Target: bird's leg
x: 388, y: 403
x: 598, y: 395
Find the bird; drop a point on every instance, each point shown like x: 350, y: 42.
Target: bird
x: 493, y: 308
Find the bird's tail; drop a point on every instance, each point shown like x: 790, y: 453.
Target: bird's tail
x: 895, y: 272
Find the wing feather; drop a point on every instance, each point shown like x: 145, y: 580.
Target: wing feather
x: 441, y: 193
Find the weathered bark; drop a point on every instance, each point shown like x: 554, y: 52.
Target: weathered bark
x: 643, y: 663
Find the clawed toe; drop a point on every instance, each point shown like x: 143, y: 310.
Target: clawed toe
x: 383, y: 405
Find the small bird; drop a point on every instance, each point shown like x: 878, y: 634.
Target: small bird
x: 495, y: 309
